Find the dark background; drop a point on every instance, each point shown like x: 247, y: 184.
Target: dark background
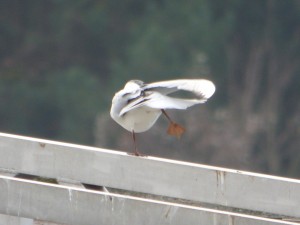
x: 62, y: 61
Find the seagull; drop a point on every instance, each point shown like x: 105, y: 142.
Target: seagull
x: 138, y: 105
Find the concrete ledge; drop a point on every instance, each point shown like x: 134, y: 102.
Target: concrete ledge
x: 77, y: 206
x: 151, y: 175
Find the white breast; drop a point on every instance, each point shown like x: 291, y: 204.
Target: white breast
x: 139, y: 120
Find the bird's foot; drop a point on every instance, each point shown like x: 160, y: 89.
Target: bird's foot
x: 135, y: 153
x: 175, y: 129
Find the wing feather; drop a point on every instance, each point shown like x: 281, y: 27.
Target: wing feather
x: 155, y: 94
x: 138, y: 102
x: 159, y: 101
x: 200, y: 87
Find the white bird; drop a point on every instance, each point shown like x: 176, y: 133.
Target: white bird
x: 137, y: 107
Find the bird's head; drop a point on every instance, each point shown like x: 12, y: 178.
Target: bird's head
x: 133, y: 85
x: 131, y: 90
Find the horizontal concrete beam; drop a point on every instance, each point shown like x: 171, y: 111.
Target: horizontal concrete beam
x: 13, y: 220
x: 152, y: 175
x: 78, y: 206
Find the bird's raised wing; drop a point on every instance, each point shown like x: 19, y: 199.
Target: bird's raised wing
x: 156, y: 100
x: 200, y: 87
x: 159, y: 101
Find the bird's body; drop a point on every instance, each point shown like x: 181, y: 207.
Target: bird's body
x: 139, y: 120
x: 137, y: 107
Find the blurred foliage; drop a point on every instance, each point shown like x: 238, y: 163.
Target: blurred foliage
x: 61, y: 106
x: 61, y: 61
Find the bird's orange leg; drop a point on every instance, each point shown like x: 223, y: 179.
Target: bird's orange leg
x: 174, y: 128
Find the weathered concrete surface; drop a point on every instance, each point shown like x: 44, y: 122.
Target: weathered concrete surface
x: 78, y: 206
x: 151, y: 175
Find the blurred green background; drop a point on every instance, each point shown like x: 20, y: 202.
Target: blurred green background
x: 61, y: 61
